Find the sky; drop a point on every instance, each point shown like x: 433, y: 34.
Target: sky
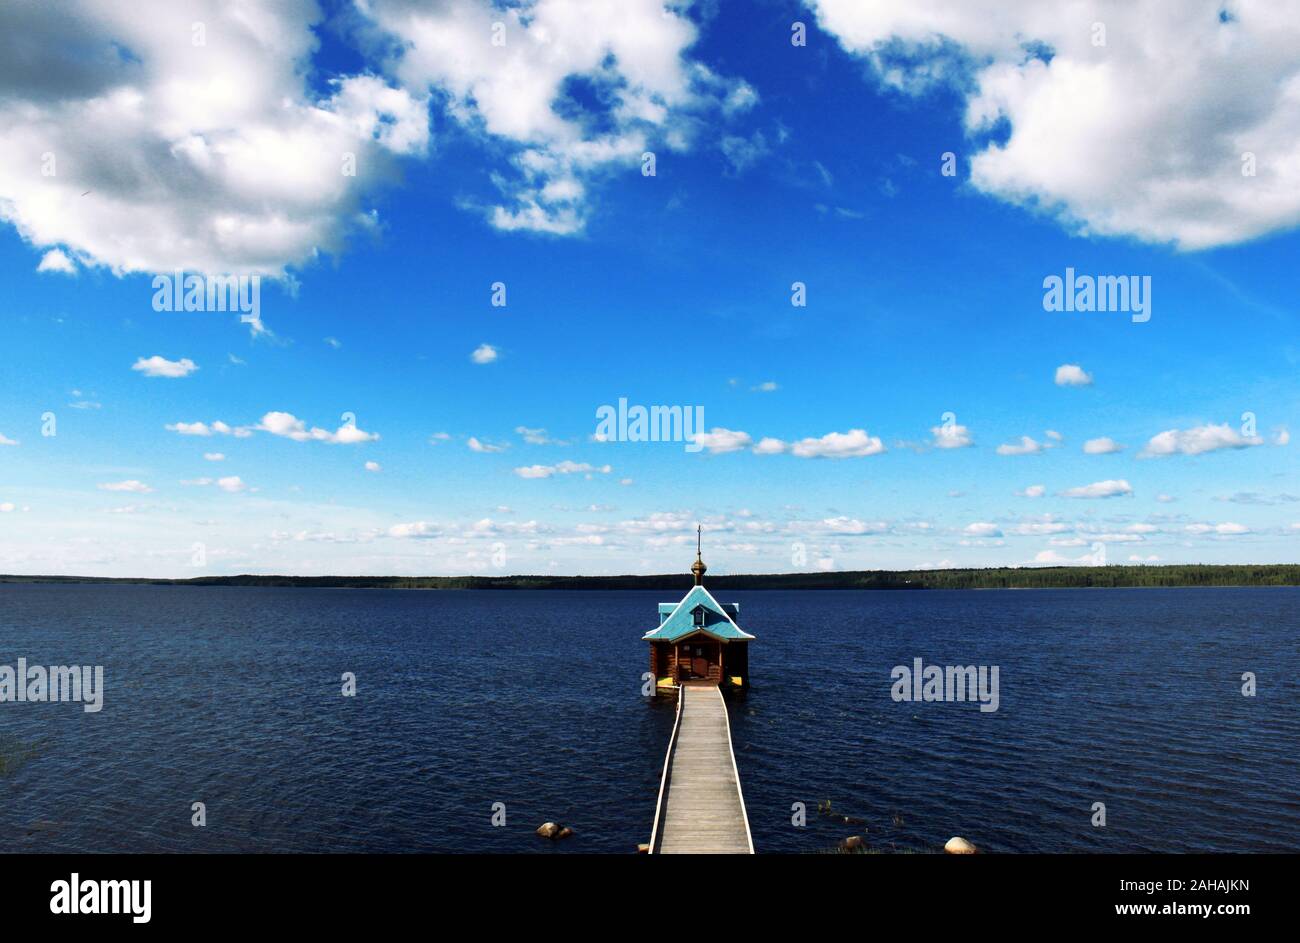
x: 828, y: 228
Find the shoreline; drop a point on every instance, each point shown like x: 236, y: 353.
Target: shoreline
x: 1023, y: 578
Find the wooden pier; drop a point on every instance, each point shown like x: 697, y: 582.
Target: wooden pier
x: 701, y: 809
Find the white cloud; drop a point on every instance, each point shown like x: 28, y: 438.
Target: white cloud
x: 1052, y: 558
x: 982, y: 529
x: 631, y: 56
x: 769, y: 446
x: 214, y: 456
x: 204, y: 429
x: 231, y: 484
x: 1033, y: 491
x: 1283, y: 437
x: 414, y: 529
x: 373, y: 467
x: 131, y: 485
x: 852, y: 444
x: 6, y: 507
x: 1165, y: 165
x: 1111, y: 488
x: 483, y: 353
x: 722, y: 440
x: 1208, y: 438
x: 1104, y: 445
x: 562, y: 468
x: 535, y: 471
x: 5, y: 440
x: 157, y: 366
x: 160, y: 155
x: 1226, y: 529
x: 289, y: 426
x: 1026, y: 446
x: 1071, y: 374
x: 1040, y: 527
x: 848, y: 526
x: 767, y: 386
x: 477, y: 445
x: 951, y: 437
x: 533, y: 436
x: 56, y: 260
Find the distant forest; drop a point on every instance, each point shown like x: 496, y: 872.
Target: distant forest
x: 1055, y: 577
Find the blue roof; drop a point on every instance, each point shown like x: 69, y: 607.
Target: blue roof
x: 681, y: 621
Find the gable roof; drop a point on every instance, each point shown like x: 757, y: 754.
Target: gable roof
x: 717, y: 621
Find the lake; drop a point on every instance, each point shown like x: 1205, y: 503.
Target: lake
x: 232, y: 696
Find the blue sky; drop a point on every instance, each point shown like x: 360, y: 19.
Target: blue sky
x: 775, y: 164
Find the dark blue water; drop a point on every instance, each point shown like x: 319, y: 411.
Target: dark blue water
x: 231, y: 696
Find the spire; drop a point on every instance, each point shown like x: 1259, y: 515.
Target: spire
x: 698, y: 566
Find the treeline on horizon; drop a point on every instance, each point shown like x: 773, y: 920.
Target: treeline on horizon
x: 1056, y: 577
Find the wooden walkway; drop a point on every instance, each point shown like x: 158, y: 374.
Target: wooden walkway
x: 701, y: 809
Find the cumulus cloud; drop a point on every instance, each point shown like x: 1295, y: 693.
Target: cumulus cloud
x: 846, y: 525
x: 135, y: 143
x: 132, y: 485
x: 1071, y: 374
x: 721, y: 440
x: 1033, y: 491
x: 1111, y: 488
x: 852, y: 444
x: 476, y: 444
x: 414, y: 529
x: 1104, y: 445
x: 373, y: 467
x: 1208, y: 438
x: 231, y: 484
x: 157, y: 366
x: 214, y: 456
x: 1026, y: 446
x: 5, y: 440
x: 562, y: 468
x: 951, y: 437
x: 289, y: 426
x: 483, y: 353
x: 1074, y: 141
x: 56, y: 260
x: 206, y: 429
x: 528, y: 92
x: 1226, y: 529
x: 982, y: 529
x: 769, y: 446
x: 533, y: 436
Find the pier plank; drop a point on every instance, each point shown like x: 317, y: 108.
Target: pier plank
x: 702, y: 810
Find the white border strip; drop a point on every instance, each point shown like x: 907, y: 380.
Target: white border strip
x: 740, y: 793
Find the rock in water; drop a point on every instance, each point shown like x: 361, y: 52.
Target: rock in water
x: 959, y: 846
x: 852, y: 843
x: 643, y: 849
x: 554, y: 831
